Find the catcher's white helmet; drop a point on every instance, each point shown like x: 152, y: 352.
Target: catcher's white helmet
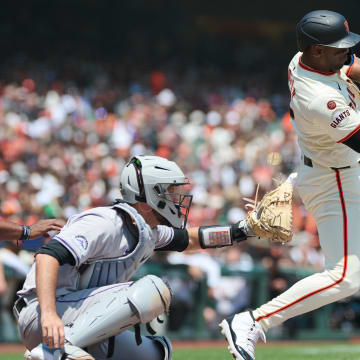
x: 160, y: 183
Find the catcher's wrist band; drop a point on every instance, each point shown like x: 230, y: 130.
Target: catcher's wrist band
x: 25, y: 235
x: 220, y: 235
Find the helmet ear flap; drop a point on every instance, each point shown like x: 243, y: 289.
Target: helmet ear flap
x: 131, y: 183
x: 299, y: 41
x: 304, y: 40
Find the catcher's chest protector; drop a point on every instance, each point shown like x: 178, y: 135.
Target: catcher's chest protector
x: 117, y: 270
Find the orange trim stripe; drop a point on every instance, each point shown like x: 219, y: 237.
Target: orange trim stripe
x: 349, y: 135
x: 351, y: 66
x: 350, y: 92
x: 345, y: 232
x: 313, y: 70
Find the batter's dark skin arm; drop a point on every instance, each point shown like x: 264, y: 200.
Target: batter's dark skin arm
x: 47, y: 270
x: 355, y: 70
x: 11, y: 231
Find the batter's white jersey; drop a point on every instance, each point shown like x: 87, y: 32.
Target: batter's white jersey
x: 325, y: 112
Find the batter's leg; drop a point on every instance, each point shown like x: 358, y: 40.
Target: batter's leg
x: 336, y: 211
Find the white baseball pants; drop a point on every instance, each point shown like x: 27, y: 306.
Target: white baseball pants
x: 333, y: 198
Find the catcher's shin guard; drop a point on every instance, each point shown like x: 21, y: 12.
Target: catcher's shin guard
x: 141, y: 302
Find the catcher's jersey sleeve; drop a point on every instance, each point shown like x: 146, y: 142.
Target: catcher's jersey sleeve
x: 163, y: 235
x: 96, y: 234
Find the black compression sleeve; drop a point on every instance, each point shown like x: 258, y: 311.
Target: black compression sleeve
x: 58, y: 251
x: 353, y: 142
x: 179, y: 242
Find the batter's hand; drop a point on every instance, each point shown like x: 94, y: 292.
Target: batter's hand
x: 53, y: 332
x: 42, y: 227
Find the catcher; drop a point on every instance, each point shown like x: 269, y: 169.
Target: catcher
x: 77, y: 301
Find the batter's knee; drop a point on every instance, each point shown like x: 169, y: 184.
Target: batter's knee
x: 351, y: 278
x: 350, y: 286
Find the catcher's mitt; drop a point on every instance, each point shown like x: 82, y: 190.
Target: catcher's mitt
x: 272, y: 217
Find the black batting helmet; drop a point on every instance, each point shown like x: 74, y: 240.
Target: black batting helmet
x: 324, y: 27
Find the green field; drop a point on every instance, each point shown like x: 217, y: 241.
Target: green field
x: 270, y: 352
x: 279, y: 352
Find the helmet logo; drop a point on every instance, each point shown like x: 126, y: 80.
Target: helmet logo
x: 346, y: 27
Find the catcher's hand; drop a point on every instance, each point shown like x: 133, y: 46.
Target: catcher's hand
x: 272, y: 217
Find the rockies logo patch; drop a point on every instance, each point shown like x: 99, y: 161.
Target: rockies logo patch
x: 331, y: 105
x: 82, y: 241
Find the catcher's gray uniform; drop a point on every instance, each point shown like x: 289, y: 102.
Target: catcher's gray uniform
x: 107, y: 252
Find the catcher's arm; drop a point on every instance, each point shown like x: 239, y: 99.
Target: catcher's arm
x: 216, y: 236
x: 271, y: 218
x: 47, y: 269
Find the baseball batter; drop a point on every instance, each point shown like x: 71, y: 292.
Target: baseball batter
x: 325, y: 111
x: 81, y: 277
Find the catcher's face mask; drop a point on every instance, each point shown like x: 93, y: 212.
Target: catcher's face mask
x: 176, y: 198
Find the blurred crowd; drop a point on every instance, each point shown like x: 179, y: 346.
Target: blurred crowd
x: 65, y: 139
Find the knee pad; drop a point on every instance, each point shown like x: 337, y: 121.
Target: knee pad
x: 117, y: 311
x: 150, y: 296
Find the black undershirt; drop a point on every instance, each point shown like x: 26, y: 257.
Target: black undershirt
x: 353, y: 142
x: 57, y: 250
x: 179, y: 242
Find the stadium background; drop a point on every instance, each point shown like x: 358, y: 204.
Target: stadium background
x: 84, y: 85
